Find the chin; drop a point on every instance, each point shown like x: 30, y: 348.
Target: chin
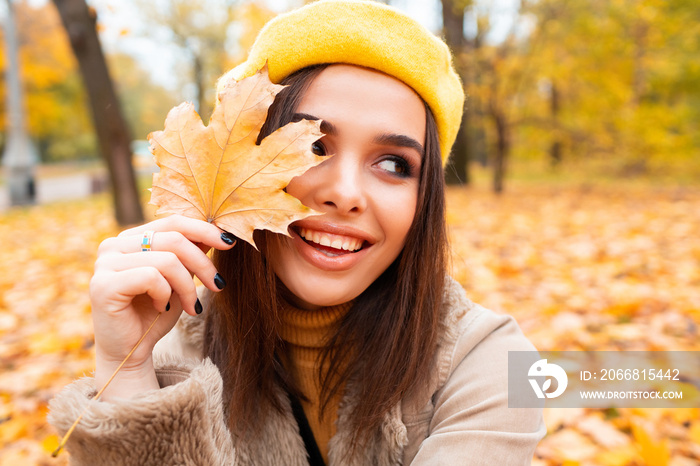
x: 310, y: 287
x: 317, y: 295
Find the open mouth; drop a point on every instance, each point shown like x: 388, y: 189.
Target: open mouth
x: 330, y: 244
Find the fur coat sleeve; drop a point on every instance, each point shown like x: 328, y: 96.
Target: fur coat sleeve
x: 182, y: 423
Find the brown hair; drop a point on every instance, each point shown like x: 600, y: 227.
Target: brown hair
x: 384, y: 344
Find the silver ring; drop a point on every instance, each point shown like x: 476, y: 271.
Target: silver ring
x: 147, y: 240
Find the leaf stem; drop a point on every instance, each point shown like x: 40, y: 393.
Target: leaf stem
x: 99, y: 393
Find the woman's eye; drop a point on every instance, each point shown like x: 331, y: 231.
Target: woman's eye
x: 395, y: 165
x: 318, y: 148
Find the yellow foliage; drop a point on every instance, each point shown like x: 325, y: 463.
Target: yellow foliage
x: 607, y: 269
x: 46, y: 61
x: 654, y: 453
x: 683, y: 415
x: 253, y: 17
x: 50, y: 443
x: 621, y: 456
x: 617, y: 81
x: 45, y: 326
x: 13, y: 429
x: 56, y: 109
x: 695, y: 432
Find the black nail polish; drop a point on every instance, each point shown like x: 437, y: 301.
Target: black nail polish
x: 167, y: 306
x: 198, y: 307
x: 219, y: 281
x: 228, y: 238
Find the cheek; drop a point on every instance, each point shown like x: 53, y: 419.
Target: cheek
x: 279, y: 257
x: 300, y: 186
x: 396, y: 213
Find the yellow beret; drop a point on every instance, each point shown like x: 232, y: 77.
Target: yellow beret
x: 368, y: 34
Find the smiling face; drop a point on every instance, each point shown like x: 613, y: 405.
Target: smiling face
x: 375, y: 130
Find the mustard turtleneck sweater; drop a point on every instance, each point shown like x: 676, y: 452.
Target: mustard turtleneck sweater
x: 306, y: 333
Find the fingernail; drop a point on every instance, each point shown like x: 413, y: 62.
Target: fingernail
x: 167, y: 306
x: 198, y: 307
x: 219, y: 281
x: 228, y: 238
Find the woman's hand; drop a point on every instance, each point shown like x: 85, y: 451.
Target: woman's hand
x: 130, y: 287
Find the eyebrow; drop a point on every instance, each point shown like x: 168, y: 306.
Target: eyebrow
x: 398, y: 140
x: 326, y: 127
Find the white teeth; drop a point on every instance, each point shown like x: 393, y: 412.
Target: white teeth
x: 334, y: 241
x: 351, y: 245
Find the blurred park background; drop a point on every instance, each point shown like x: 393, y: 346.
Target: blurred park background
x: 574, y: 199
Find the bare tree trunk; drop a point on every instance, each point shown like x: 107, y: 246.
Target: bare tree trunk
x: 640, y: 31
x: 555, y: 149
x: 453, y: 27
x: 458, y: 169
x: 502, y: 150
x: 111, y: 129
x: 198, y: 71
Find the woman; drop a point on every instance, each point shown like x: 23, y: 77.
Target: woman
x: 343, y: 343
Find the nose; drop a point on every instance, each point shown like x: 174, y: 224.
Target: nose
x: 335, y: 186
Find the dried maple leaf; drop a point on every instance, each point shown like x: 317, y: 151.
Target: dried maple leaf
x: 218, y: 174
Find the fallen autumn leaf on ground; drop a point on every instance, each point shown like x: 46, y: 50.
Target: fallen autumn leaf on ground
x: 579, y: 269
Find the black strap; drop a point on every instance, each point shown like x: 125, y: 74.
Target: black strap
x: 315, y: 458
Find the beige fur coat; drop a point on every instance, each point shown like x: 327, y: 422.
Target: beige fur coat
x: 462, y: 419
